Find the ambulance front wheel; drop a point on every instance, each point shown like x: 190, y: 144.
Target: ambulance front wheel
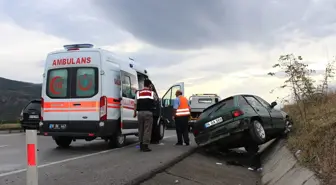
x: 63, y: 142
x: 118, y: 140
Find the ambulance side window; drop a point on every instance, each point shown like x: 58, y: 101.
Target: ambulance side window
x: 126, y: 86
x: 57, y: 83
x: 134, y: 86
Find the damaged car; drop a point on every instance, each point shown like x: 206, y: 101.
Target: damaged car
x: 240, y: 121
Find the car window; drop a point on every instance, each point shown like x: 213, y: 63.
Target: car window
x: 228, y: 102
x: 253, y: 101
x: 167, y: 98
x: 57, y: 83
x: 33, y: 106
x: 242, y: 101
x: 86, y: 82
x: 263, y: 102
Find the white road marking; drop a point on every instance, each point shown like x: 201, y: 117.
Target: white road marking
x: 1, y: 146
x: 72, y: 159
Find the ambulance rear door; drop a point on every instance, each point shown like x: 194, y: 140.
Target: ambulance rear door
x: 129, y: 86
x: 55, y: 95
x: 167, y: 102
x: 86, y: 91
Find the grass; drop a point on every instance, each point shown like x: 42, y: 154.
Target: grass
x: 315, y: 136
x: 7, y: 126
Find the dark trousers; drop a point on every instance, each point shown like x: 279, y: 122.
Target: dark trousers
x: 254, y: 160
x: 181, y: 124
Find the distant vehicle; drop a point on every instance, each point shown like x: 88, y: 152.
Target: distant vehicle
x: 89, y: 93
x: 30, y: 115
x: 199, y: 102
x: 240, y: 121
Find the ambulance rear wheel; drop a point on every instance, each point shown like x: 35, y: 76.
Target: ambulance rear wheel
x: 158, y: 132
x: 63, y: 142
x: 118, y: 140
x: 162, y: 129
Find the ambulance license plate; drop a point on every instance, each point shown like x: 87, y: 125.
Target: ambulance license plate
x: 57, y: 126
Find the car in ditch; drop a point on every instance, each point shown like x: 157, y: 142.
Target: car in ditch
x: 240, y: 121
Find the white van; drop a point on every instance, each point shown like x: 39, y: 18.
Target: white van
x: 89, y: 93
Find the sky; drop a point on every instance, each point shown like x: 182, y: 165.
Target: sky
x: 224, y: 46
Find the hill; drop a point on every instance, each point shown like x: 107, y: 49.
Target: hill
x: 14, y: 95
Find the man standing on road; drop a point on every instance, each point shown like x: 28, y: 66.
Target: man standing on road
x: 145, y: 104
x: 181, y: 115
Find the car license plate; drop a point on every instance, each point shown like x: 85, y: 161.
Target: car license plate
x: 33, y: 116
x: 213, y: 122
x: 57, y: 126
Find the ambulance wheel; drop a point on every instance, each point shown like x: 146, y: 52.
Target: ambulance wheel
x: 162, y: 129
x: 63, y: 142
x: 118, y: 140
x: 158, y: 132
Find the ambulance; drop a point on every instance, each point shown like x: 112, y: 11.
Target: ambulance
x: 89, y: 93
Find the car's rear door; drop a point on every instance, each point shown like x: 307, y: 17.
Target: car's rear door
x: 168, y: 100
x: 276, y: 116
x: 261, y: 111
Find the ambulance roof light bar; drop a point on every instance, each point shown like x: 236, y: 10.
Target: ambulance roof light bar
x: 205, y: 95
x: 77, y: 46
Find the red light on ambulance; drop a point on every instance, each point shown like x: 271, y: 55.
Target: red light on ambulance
x: 103, y: 108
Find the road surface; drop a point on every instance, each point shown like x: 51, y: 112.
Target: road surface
x: 13, y: 150
x: 85, y: 163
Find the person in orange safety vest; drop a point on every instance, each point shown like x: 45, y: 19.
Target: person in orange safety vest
x: 181, y: 116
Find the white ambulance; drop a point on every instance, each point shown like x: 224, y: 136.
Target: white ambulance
x: 89, y: 93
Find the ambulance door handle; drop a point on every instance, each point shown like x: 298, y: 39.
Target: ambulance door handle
x: 76, y: 104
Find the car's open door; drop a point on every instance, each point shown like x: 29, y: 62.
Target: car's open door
x: 167, y: 103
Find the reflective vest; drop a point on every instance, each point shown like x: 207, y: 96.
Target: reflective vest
x: 145, y: 100
x: 183, y: 108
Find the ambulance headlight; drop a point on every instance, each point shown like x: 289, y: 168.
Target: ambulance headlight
x: 101, y: 124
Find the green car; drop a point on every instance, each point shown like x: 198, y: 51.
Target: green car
x: 239, y: 121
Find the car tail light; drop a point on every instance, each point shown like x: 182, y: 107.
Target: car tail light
x: 237, y: 113
x: 103, y: 108
x: 42, y: 106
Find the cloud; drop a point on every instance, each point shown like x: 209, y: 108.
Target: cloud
x: 74, y: 20
x: 23, y: 52
x: 197, y: 24
x: 223, y: 47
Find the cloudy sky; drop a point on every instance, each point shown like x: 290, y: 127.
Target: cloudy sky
x: 214, y: 46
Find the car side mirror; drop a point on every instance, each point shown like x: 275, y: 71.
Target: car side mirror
x: 273, y: 104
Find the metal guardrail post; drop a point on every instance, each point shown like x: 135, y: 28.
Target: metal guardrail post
x: 32, y: 171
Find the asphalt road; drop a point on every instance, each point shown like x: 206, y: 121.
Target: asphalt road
x: 86, y: 163
x: 13, y: 150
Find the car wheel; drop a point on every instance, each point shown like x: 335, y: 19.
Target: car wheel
x: 257, y: 132
x: 118, y: 140
x: 288, y: 127
x: 63, y: 142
